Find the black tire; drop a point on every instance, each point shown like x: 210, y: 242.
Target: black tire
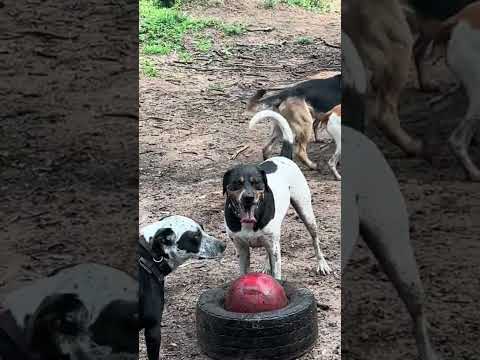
x: 282, y: 334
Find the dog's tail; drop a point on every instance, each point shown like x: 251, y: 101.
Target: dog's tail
x: 255, y: 99
x: 282, y: 123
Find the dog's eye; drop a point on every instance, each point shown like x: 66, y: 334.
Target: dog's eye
x: 258, y: 185
x: 234, y: 186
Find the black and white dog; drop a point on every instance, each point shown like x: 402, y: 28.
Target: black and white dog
x: 163, y: 246
x: 257, y: 200
x: 91, y: 311
x: 82, y: 312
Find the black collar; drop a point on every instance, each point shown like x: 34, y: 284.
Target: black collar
x: 158, y: 268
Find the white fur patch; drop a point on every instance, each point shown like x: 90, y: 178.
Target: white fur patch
x: 281, y: 122
x: 334, y: 129
x: 179, y: 224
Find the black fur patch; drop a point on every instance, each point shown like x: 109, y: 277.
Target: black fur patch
x: 269, y: 167
x: 117, y: 326
x: 287, y: 150
x: 321, y: 94
x: 190, y: 241
x: 161, y: 239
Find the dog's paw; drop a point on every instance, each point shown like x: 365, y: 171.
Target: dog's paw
x: 323, y: 268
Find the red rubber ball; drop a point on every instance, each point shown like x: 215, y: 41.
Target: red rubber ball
x: 255, y: 292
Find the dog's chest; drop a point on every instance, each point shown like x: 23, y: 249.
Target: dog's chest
x: 248, y: 237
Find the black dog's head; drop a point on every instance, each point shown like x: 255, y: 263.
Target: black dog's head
x: 245, y: 187
x: 177, y: 239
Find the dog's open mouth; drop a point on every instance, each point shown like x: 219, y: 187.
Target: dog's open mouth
x: 248, y: 216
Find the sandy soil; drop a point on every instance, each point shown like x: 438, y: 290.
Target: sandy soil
x: 192, y: 122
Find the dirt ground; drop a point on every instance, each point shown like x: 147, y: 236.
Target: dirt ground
x: 444, y: 212
x: 192, y: 123
x: 68, y: 172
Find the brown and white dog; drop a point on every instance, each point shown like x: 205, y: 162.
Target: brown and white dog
x: 298, y: 104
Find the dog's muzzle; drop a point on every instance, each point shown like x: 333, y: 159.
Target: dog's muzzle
x: 247, y: 209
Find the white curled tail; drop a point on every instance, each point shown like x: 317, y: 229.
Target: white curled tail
x: 279, y: 120
x: 282, y: 123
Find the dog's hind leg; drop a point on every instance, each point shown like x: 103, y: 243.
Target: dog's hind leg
x: 391, y: 246
x: 334, y: 129
x: 332, y: 164
x: 304, y: 209
x: 302, y: 155
x: 463, y: 57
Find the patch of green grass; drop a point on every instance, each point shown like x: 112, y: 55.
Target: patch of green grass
x: 147, y: 67
x: 204, y: 44
x: 304, y: 40
x: 185, y: 56
x: 162, y: 31
x: 232, y: 29
x: 270, y: 4
x: 202, y: 3
x: 323, y: 6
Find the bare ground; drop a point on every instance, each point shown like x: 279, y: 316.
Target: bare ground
x: 192, y: 122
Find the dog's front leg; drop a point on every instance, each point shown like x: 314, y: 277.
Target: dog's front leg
x: 151, y: 308
x: 244, y: 258
x: 273, y: 251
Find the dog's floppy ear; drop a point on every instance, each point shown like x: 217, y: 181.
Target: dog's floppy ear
x: 163, y: 236
x: 226, y: 180
x: 264, y: 177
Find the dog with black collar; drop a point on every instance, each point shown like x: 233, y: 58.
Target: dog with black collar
x: 258, y: 198
x: 163, y: 247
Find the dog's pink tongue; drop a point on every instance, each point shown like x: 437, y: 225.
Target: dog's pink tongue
x: 249, y: 217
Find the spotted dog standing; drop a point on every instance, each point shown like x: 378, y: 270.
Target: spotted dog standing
x: 257, y: 200
x: 164, y: 246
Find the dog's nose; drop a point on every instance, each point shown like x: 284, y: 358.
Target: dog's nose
x: 248, y: 199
